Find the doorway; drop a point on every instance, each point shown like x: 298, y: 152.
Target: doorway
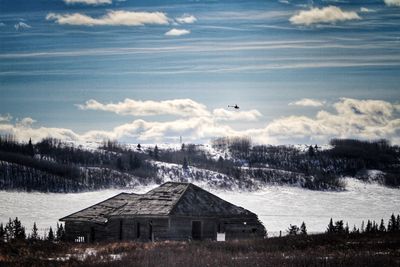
x: 138, y: 230
x: 151, y: 230
x: 120, y: 230
x: 196, y: 230
x: 92, y: 234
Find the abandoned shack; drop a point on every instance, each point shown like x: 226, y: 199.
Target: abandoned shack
x: 172, y: 211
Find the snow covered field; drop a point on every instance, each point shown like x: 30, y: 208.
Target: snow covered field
x: 277, y: 206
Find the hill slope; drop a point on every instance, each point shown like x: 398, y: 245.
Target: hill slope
x: 54, y: 166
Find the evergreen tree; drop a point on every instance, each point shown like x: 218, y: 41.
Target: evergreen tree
x: 19, y: 230
x: 331, y: 227
x: 139, y: 147
x: 131, y: 161
x: 398, y: 222
x: 339, y: 228
x: 293, y: 230
x: 183, y: 147
x: 50, y: 236
x: 392, y: 225
x: 134, y: 162
x: 347, y: 229
x: 311, y: 151
x: 303, y: 229
x: 220, y: 162
x: 382, y: 227
x: 355, y: 230
x: 9, y: 230
x: 374, y: 227
x: 368, y: 229
x: 156, y: 153
x: 57, y: 232
x: 35, y: 234
x: 185, y: 164
x: 119, y: 164
x: 61, y: 233
x: 31, y: 151
x: 2, y: 232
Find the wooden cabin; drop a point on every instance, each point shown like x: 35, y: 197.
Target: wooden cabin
x: 172, y: 211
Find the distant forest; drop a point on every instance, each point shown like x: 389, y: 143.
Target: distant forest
x: 52, y: 165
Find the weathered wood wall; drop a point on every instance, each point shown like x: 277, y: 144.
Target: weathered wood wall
x: 172, y: 228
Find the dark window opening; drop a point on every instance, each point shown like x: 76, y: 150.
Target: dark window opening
x: 221, y: 227
x: 138, y: 230
x: 151, y: 230
x: 196, y: 230
x: 92, y: 234
x: 120, y: 230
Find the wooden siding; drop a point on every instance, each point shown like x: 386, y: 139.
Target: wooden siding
x: 172, y: 228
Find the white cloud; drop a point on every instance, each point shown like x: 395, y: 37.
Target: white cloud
x: 366, y: 10
x: 112, y: 18
x: 221, y: 114
x: 350, y: 118
x: 88, y: 2
x: 308, y: 102
x: 23, y: 130
x: 177, y: 107
x: 5, y: 118
x: 21, y: 26
x: 186, y: 19
x: 193, y: 128
x: 330, y: 14
x: 26, y: 122
x: 392, y: 2
x: 177, y: 32
x: 366, y: 119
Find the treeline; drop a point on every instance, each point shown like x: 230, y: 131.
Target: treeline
x: 338, y: 227
x: 55, y: 166
x: 324, y: 168
x: 52, y: 165
x: 13, y: 230
x: 371, y: 227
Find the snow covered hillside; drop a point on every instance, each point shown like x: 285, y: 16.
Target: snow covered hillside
x: 226, y: 163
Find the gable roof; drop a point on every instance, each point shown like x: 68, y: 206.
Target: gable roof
x: 170, y: 198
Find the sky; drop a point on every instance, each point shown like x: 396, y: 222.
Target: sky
x: 151, y: 71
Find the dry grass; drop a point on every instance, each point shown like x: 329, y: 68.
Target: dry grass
x: 315, y: 250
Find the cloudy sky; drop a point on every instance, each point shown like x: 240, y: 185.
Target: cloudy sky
x: 151, y: 70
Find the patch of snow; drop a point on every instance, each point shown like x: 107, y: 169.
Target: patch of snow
x: 304, y: 147
x: 371, y: 175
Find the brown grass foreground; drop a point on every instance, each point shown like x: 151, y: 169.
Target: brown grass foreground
x: 314, y: 250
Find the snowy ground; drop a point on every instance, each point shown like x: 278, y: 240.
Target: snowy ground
x: 277, y: 206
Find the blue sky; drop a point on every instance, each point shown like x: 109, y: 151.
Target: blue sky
x: 150, y: 71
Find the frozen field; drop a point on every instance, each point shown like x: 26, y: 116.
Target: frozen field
x: 277, y: 206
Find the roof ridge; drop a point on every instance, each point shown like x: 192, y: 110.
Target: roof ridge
x: 183, y: 193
